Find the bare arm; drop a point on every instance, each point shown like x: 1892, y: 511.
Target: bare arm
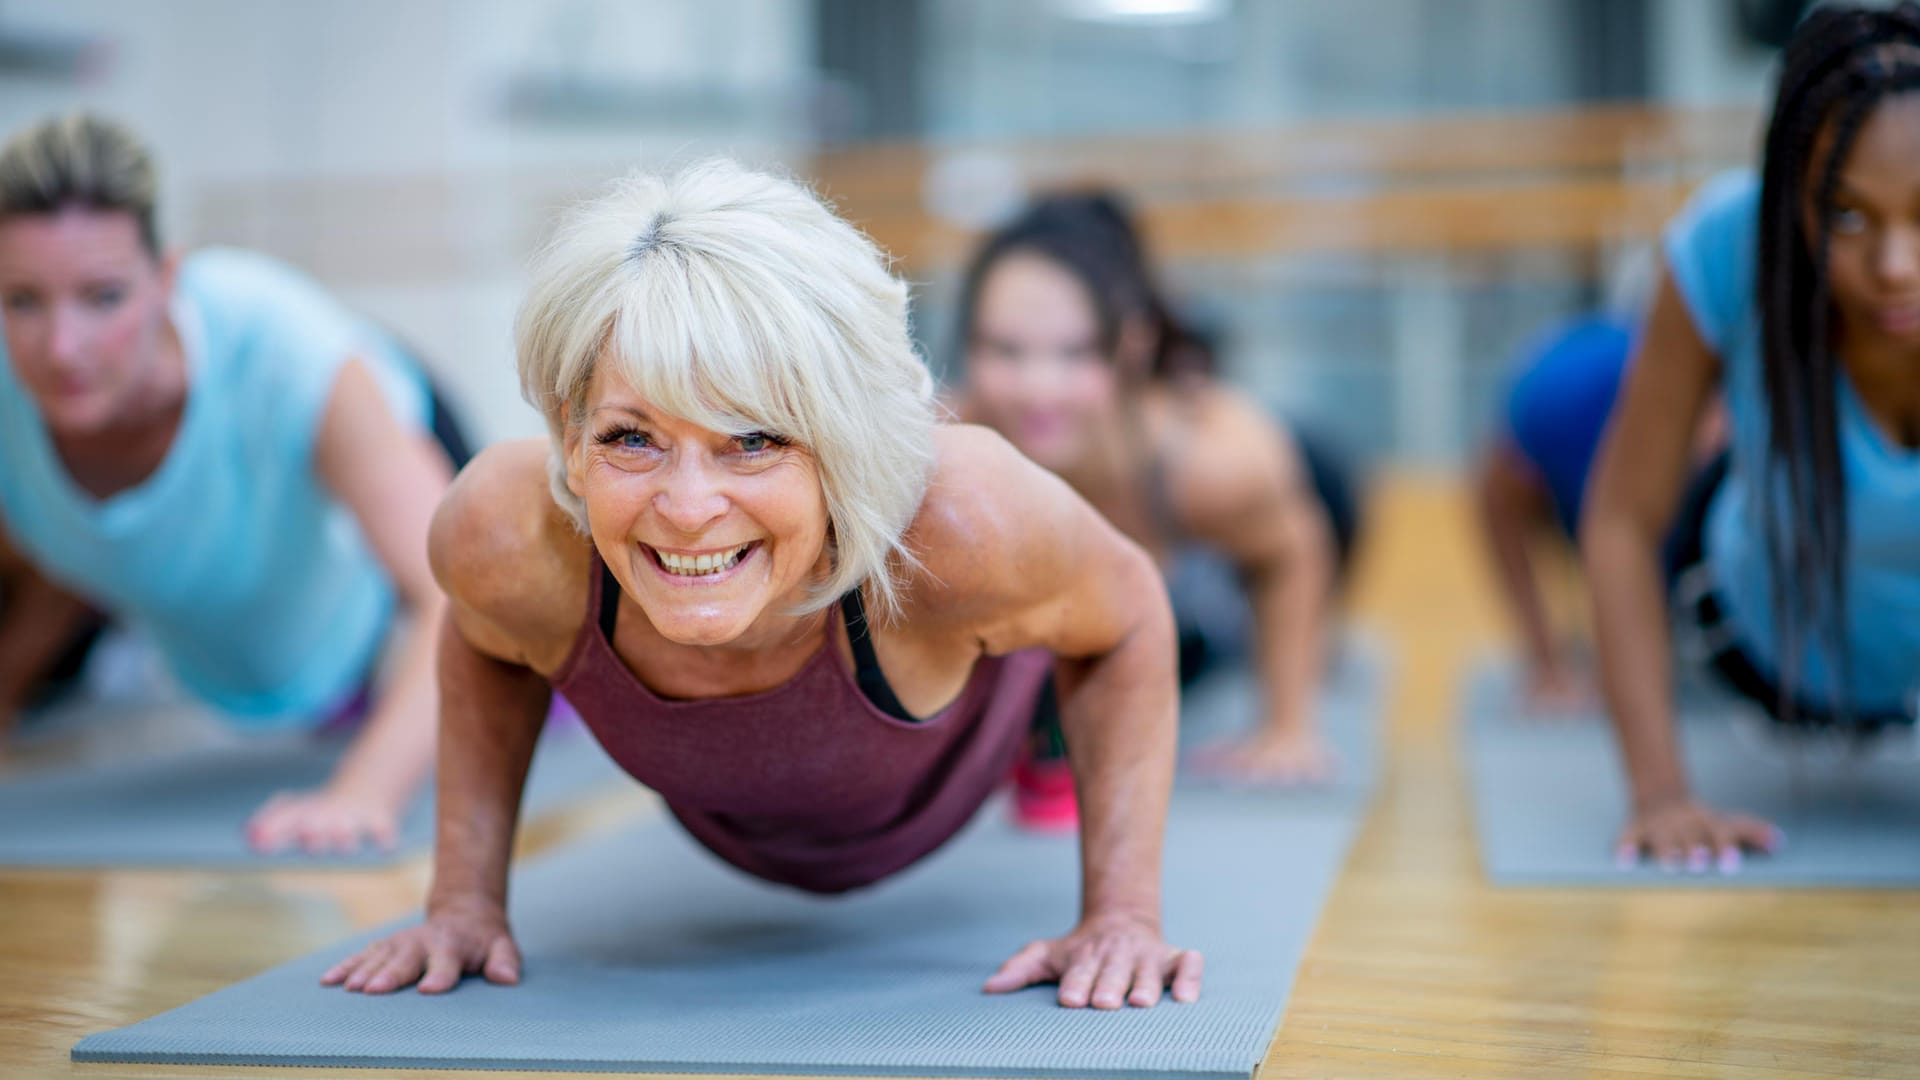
x: 491, y: 550
x: 1247, y: 494
x: 492, y: 711
x: 1031, y: 565
x: 1511, y: 502
x: 390, y: 478
x: 1096, y: 601
x: 38, y: 621
x: 1635, y: 487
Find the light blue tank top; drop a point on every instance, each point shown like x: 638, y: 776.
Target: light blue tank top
x: 253, y: 582
x: 1712, y: 252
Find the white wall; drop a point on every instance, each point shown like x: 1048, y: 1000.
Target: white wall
x: 368, y: 141
x: 1699, y: 58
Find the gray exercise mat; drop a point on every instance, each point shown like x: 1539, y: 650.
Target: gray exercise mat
x: 187, y: 808
x: 1550, y: 798
x: 643, y: 953
x: 1352, y: 700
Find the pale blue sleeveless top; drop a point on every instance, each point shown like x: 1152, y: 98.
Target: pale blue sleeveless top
x: 1711, y: 251
x: 253, y: 582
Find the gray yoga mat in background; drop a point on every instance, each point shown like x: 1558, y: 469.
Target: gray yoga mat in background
x: 644, y: 953
x: 1549, y: 798
x: 187, y: 807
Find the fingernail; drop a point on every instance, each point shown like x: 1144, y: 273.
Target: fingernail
x: 1698, y: 860
x: 1730, y: 861
x: 1624, y: 858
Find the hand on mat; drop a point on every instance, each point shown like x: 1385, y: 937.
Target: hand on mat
x: 1105, y: 962
x: 323, y: 821
x: 1557, y: 690
x: 1682, y: 834
x: 456, y: 940
x: 1273, y: 756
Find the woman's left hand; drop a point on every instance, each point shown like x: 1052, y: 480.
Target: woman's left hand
x: 1274, y: 756
x: 322, y: 821
x: 1107, y: 962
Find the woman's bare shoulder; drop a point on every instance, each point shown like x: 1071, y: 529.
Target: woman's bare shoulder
x: 504, y: 551
x: 990, y: 524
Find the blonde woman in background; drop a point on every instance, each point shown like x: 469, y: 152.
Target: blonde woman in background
x: 210, y: 449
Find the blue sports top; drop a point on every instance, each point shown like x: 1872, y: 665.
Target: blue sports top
x: 253, y: 581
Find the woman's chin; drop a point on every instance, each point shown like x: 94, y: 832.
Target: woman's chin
x: 701, y: 623
x: 77, y: 416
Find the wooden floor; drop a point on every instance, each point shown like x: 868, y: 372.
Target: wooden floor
x: 1418, y: 969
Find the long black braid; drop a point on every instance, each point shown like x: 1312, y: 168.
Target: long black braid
x: 1839, y: 65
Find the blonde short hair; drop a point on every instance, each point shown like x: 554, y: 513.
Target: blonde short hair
x: 738, y: 301
x: 80, y: 159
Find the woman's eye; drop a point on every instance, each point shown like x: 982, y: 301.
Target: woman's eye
x: 21, y: 302
x: 1847, y: 220
x: 106, y: 297
x: 624, y: 438
x: 756, y: 443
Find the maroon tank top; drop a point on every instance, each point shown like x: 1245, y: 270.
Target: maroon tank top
x: 808, y: 784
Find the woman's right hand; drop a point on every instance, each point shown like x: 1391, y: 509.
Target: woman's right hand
x: 459, y: 938
x: 1683, y: 834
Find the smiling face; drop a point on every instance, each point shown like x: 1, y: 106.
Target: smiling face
x: 715, y: 535
x: 1034, y: 362
x: 1874, y: 254
x: 84, y: 306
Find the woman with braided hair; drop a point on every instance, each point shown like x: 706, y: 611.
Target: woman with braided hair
x: 1798, y: 555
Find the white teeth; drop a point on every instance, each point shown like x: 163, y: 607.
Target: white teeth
x: 698, y: 565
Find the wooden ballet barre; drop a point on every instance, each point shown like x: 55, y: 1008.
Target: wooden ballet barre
x: 1615, y: 140
x: 1578, y: 215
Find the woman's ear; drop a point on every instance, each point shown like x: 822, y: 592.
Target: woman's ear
x: 169, y: 262
x: 576, y: 468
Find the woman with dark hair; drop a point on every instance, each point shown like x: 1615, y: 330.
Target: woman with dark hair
x: 1074, y: 355
x: 1798, y: 555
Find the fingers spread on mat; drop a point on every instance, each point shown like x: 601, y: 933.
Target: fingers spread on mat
x: 322, y: 822
x: 1686, y: 836
x: 1105, y: 964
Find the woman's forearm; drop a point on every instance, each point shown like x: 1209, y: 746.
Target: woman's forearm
x: 1120, y: 714
x: 1290, y: 598
x: 1630, y: 617
x: 394, y: 751
x: 38, y: 621
x: 1505, y: 523
x: 491, y: 715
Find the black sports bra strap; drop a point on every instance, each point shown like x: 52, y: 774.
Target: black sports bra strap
x: 866, y: 663
x: 609, y: 601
